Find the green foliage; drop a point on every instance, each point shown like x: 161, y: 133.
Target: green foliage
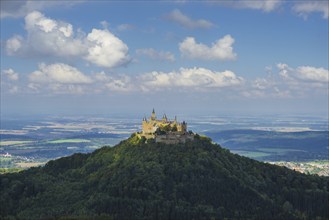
x: 10, y: 170
x: 138, y: 180
x: 5, y: 162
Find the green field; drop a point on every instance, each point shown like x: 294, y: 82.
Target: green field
x: 252, y: 154
x: 8, y: 143
x: 5, y: 159
x: 264, y: 152
x: 62, y: 141
x: 278, y: 150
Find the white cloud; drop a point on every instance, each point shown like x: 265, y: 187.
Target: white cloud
x: 58, y: 88
x: 182, y: 19
x: 14, y: 45
x: 11, y: 74
x: 36, y: 20
x: 261, y: 83
x: 58, y: 73
x: 106, y: 50
x: 263, y: 5
x: 183, y: 80
x: 156, y: 55
x: 304, y: 73
x: 45, y: 37
x: 190, y: 78
x: 16, y: 9
x: 304, y: 8
x: 59, y: 78
x: 220, y: 50
x: 303, y: 81
x: 121, y: 84
x: 9, y: 81
x: 101, y: 76
x: 310, y: 73
x: 48, y: 37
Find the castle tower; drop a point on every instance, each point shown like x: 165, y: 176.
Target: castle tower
x: 153, y: 117
x: 164, y: 118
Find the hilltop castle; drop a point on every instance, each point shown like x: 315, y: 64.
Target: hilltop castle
x: 164, y: 130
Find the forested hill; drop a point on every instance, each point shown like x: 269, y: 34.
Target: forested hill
x: 136, y: 180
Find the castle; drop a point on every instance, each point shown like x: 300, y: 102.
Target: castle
x: 164, y: 130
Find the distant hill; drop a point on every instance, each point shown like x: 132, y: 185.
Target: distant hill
x: 137, y: 180
x: 274, y: 145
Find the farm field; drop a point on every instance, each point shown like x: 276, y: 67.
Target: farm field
x: 26, y: 143
x: 274, y: 145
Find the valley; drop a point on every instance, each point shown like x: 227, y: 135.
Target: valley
x: 289, y: 141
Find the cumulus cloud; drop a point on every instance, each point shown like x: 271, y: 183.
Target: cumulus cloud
x: 14, y: 45
x: 220, y: 50
x: 61, y: 78
x: 45, y: 37
x: 58, y: 73
x: 190, y: 78
x: 106, y: 50
x: 304, y: 8
x: 48, y: 37
x: 9, y: 81
x: 121, y: 84
x: 310, y: 73
x: 304, y: 73
x: 302, y: 81
x: 10, y: 74
x: 262, y: 83
x: 156, y: 55
x: 184, y: 79
x: 185, y: 21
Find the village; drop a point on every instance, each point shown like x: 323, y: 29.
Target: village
x: 320, y: 168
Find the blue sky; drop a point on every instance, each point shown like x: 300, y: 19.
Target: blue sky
x: 200, y: 57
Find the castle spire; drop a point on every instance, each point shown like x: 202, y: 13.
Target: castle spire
x: 153, y: 117
x: 164, y: 118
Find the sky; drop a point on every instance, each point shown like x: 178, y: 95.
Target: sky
x: 179, y: 57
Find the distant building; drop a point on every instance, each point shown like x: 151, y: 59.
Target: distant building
x: 5, y: 155
x: 164, y: 130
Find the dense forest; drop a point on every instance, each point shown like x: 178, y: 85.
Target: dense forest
x: 138, y: 180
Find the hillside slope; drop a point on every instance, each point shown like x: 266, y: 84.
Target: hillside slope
x: 136, y: 180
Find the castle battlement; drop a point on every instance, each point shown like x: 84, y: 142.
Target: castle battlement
x: 164, y: 130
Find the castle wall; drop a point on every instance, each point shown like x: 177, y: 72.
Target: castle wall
x: 173, y: 138
x: 149, y: 128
